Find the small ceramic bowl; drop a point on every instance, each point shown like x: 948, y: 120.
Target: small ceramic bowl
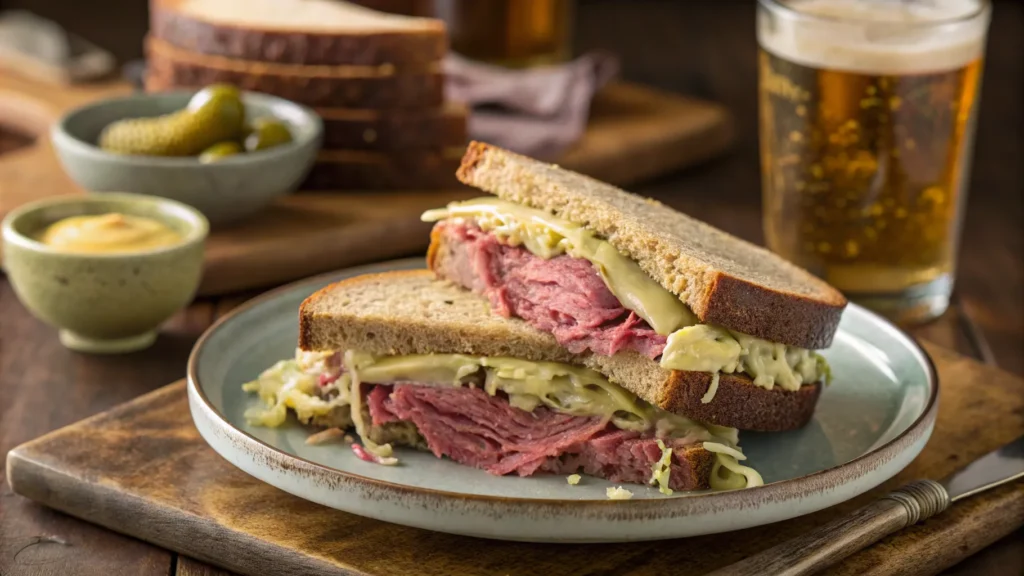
x: 104, y: 303
x: 225, y: 191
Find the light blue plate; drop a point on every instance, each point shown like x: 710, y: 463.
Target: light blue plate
x: 870, y: 423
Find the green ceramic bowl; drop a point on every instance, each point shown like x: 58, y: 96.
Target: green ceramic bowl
x: 104, y: 303
x: 225, y: 191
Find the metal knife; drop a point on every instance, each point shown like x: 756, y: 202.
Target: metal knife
x: 914, y: 502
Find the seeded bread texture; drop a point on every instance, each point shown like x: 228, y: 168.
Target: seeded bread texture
x: 738, y: 403
x: 380, y: 39
x: 411, y: 312
x: 723, y: 279
x: 372, y: 87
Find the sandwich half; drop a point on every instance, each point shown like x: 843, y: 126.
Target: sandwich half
x: 687, y: 317
x: 409, y: 360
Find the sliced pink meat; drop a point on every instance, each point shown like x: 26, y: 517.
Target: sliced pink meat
x: 564, y: 296
x: 474, y: 428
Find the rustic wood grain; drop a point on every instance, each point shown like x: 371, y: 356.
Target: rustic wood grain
x: 819, y: 548
x: 44, y: 386
x: 191, y: 500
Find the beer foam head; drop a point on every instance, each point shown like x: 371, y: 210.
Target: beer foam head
x: 875, y: 36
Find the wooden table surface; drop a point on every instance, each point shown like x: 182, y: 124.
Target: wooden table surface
x: 705, y: 49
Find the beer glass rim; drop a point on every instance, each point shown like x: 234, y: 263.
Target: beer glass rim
x: 784, y: 8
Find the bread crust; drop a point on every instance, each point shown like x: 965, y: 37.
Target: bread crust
x: 172, y: 67
x: 297, y: 47
x: 656, y: 238
x: 738, y: 403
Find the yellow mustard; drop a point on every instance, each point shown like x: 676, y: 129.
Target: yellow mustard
x: 108, y: 233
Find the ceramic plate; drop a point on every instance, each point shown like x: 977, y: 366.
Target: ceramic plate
x: 870, y: 423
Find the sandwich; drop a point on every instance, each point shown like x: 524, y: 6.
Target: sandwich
x: 685, y: 316
x: 409, y: 360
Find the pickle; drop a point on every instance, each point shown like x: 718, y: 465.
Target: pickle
x: 213, y: 115
x: 266, y: 133
x: 220, y: 151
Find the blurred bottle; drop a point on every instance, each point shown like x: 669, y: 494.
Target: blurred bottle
x: 513, y: 33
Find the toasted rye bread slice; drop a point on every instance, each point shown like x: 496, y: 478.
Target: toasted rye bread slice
x: 737, y: 403
x: 317, y: 32
x: 411, y: 312
x: 723, y: 279
x: 320, y: 86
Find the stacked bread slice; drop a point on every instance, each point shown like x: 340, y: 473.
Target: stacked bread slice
x: 375, y: 79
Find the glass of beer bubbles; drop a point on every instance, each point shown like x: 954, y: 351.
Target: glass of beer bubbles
x: 867, y: 113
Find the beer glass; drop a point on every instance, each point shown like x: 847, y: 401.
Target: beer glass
x: 867, y: 111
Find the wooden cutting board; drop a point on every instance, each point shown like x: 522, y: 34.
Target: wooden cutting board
x: 142, y: 469
x: 634, y: 133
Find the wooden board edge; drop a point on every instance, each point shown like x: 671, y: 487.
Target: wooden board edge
x: 104, y: 505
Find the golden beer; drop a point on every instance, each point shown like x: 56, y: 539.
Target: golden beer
x: 867, y: 121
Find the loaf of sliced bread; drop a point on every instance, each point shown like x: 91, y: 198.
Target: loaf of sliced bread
x: 378, y: 130
x: 344, y: 86
x: 300, y: 31
x: 404, y: 170
x: 737, y: 403
x: 723, y: 279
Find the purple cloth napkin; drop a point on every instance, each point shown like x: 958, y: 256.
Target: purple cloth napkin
x: 538, y: 111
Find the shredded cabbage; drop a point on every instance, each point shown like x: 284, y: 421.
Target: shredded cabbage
x: 712, y: 389
x: 661, y: 472
x: 291, y: 384
x: 727, y: 473
x: 618, y: 493
x: 312, y: 385
x: 382, y: 451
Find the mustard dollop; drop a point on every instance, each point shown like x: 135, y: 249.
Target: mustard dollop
x: 108, y: 233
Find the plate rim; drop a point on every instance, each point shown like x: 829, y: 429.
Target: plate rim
x: 779, y: 491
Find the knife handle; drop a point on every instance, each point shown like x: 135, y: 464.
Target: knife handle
x: 812, y: 552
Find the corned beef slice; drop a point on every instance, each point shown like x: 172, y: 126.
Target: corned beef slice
x: 564, y: 295
x: 476, y: 429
